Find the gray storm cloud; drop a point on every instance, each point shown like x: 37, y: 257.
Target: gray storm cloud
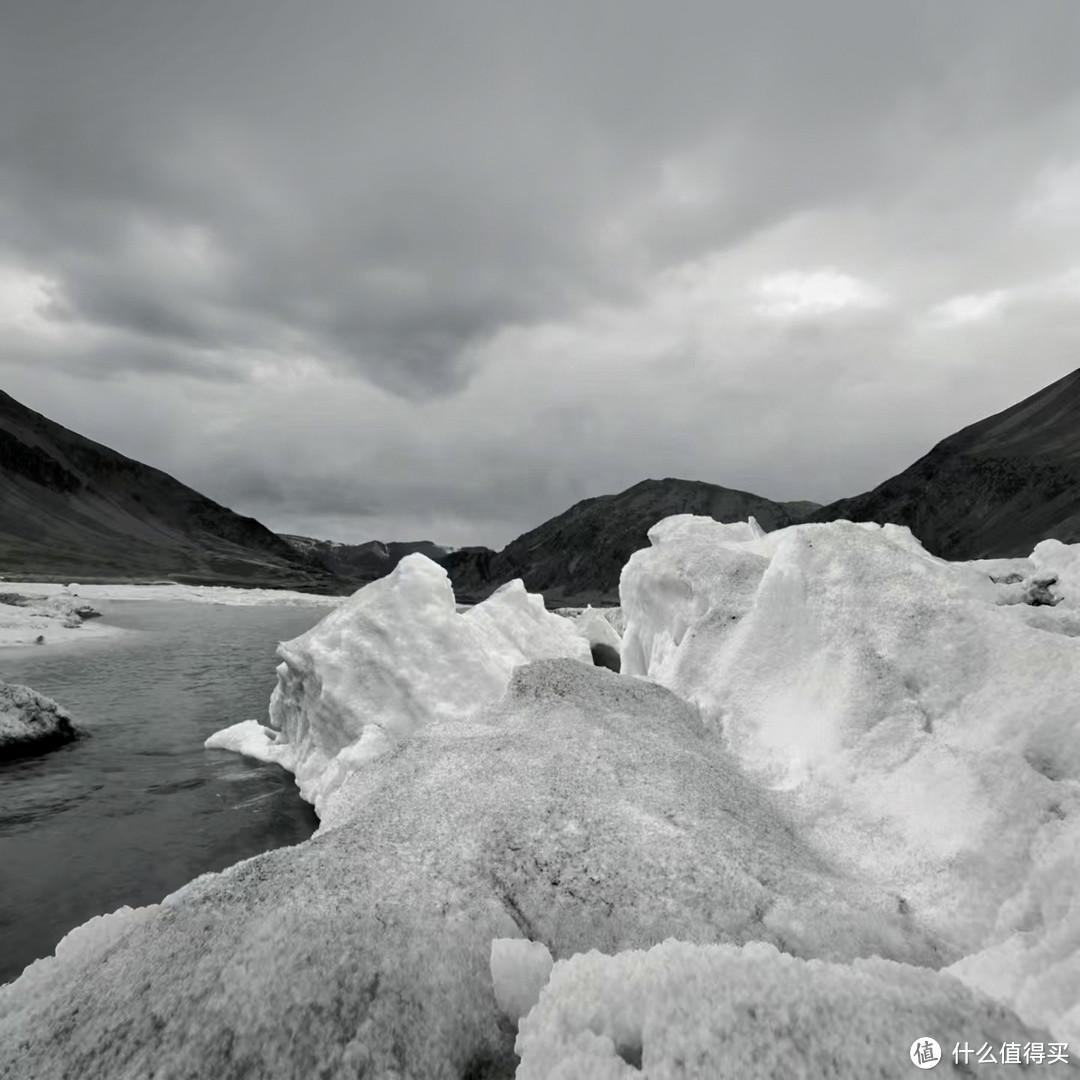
x: 512, y: 256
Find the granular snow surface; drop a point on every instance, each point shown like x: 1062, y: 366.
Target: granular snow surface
x: 828, y: 809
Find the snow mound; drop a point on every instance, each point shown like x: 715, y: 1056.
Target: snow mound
x: 393, y: 657
x: 519, y: 971
x: 581, y: 810
x: 924, y: 736
x: 31, y: 722
x: 717, y: 1012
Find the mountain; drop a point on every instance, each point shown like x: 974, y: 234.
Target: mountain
x: 992, y: 490
x: 361, y: 563
x: 577, y: 557
x: 72, y: 509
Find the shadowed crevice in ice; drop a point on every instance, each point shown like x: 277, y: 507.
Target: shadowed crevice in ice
x: 605, y: 656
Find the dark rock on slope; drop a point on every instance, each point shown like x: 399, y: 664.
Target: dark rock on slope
x: 72, y: 509
x: 992, y: 490
x: 577, y: 557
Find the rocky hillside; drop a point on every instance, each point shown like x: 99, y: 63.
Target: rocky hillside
x: 577, y: 557
x: 72, y: 509
x: 994, y: 489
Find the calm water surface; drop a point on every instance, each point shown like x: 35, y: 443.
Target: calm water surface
x: 139, y: 808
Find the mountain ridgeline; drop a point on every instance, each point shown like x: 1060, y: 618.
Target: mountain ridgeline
x: 72, y: 509
x: 992, y: 490
x: 360, y: 563
x: 577, y: 557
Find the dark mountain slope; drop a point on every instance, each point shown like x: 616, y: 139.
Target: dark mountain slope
x: 577, y: 557
x: 994, y: 489
x: 71, y: 508
x: 361, y: 563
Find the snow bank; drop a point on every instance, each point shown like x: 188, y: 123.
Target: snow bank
x: 581, y: 810
x: 26, y: 617
x: 199, y: 594
x: 926, y: 737
x: 717, y: 1012
x: 393, y: 657
x: 58, y: 613
x: 30, y: 722
x: 601, y: 628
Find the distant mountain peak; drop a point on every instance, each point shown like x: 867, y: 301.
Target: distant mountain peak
x: 576, y: 557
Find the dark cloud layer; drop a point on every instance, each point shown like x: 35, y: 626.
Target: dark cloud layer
x: 482, y: 219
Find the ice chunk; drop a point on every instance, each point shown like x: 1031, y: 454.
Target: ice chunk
x: 604, y: 640
x: 519, y: 970
x: 722, y: 1013
x: 596, y: 629
x: 692, y: 527
x: 697, y: 569
x: 516, y: 627
x: 925, y: 737
x: 393, y: 657
x: 31, y: 722
x: 1058, y: 565
x: 252, y: 739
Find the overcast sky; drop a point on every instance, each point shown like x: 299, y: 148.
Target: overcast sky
x: 439, y: 270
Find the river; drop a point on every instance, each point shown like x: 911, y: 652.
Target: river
x: 139, y: 808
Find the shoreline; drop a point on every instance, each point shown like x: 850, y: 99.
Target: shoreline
x: 21, y: 626
x: 160, y: 590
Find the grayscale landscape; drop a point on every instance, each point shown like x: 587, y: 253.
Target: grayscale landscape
x: 539, y: 543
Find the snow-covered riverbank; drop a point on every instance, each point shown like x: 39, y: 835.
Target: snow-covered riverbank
x: 28, y: 617
x: 201, y: 594
x: 43, y: 613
